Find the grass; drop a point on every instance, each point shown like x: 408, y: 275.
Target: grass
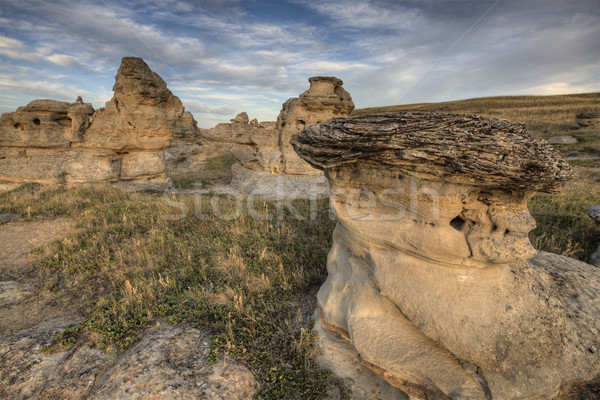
x: 545, y: 116
x: 252, y: 282
x: 563, y: 225
x: 247, y: 280
x: 220, y: 162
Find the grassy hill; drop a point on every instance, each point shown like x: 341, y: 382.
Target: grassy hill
x: 545, y: 116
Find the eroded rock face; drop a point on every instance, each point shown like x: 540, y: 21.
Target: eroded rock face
x: 49, y: 141
x: 143, y: 113
x: 258, y: 150
x: 432, y: 277
x: 324, y: 100
x: 45, y: 123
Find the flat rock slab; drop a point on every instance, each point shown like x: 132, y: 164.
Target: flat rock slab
x: 562, y: 139
x: 167, y: 363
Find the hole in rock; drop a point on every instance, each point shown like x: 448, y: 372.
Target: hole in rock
x: 36, y: 121
x: 458, y: 223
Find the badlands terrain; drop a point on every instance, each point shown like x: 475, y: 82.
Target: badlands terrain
x: 143, y: 257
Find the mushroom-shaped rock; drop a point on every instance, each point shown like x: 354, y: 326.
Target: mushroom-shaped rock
x: 432, y: 278
x: 324, y: 100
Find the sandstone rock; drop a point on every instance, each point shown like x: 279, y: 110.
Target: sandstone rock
x: 431, y: 276
x: 58, y: 165
x: 562, y: 139
x: 45, y: 123
x: 587, y: 119
x: 241, y: 118
x: 260, y: 150
x: 49, y: 141
x: 168, y: 362
x: 455, y: 147
x: 12, y: 292
x: 143, y: 164
x: 8, y: 217
x: 143, y: 113
x: 324, y: 100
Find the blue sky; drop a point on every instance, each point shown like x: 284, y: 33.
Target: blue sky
x: 222, y: 57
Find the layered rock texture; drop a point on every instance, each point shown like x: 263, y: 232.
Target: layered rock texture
x: 432, y: 278
x: 49, y: 141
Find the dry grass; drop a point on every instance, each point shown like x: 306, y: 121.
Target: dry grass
x: 248, y: 280
x: 545, y: 116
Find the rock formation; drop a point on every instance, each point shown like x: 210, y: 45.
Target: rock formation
x: 432, y: 278
x: 587, y: 119
x: 49, y: 141
x: 259, y: 149
x: 324, y: 100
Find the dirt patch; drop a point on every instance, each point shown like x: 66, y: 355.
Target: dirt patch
x: 25, y: 297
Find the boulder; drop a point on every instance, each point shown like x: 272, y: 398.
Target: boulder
x: 587, y: 119
x: 143, y: 113
x: 562, y: 139
x: 431, y: 277
x: 45, y: 123
x: 594, y: 213
x: 324, y: 100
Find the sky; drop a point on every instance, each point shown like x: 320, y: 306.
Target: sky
x: 222, y: 57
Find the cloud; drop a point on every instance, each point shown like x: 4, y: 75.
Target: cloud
x: 223, y: 55
x: 195, y: 106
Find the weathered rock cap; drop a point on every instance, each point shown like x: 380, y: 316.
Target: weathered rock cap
x: 468, y: 149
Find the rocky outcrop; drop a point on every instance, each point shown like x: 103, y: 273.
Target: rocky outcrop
x: 258, y: 150
x: 432, y: 278
x: 49, y: 141
x: 45, y: 124
x: 324, y: 100
x: 588, y: 119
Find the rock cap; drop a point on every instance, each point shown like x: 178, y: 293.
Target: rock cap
x: 470, y: 149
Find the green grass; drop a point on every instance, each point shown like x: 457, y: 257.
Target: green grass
x: 223, y: 161
x: 251, y: 282
x: 563, y: 224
